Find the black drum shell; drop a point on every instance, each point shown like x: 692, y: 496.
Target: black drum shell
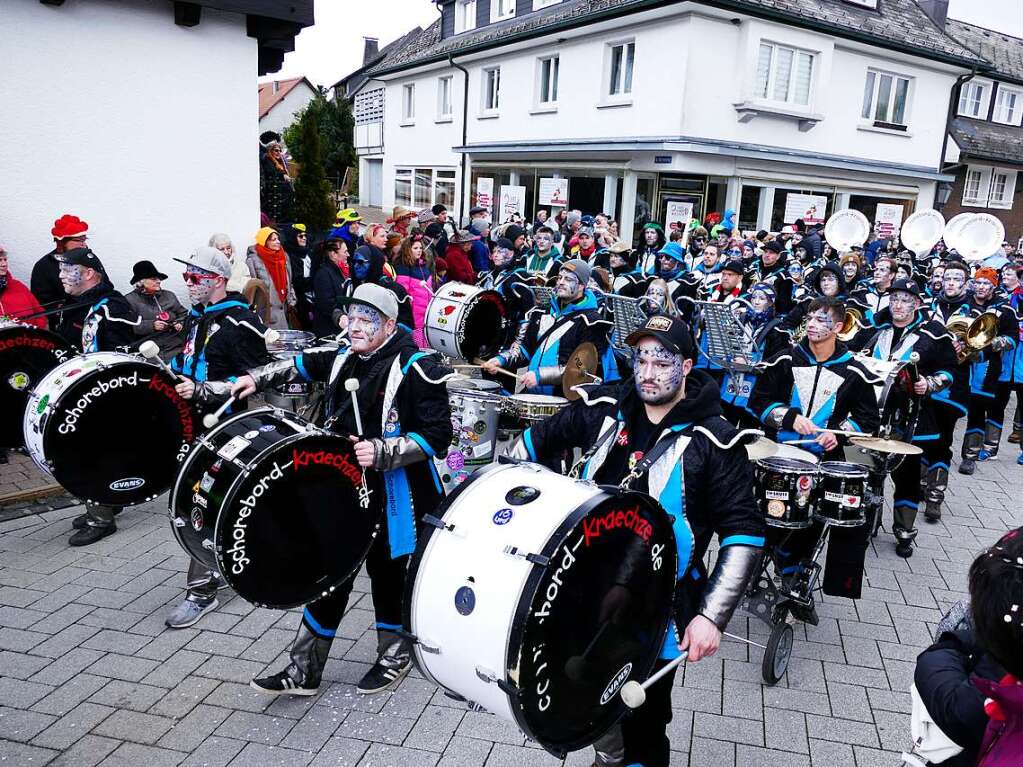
x: 841, y: 492
x: 27, y: 353
x: 785, y: 492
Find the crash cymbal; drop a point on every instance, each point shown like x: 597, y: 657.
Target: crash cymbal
x: 761, y: 447
x: 580, y: 368
x: 880, y: 445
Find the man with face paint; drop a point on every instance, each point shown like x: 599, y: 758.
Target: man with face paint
x: 665, y: 425
x: 223, y: 339
x: 406, y: 420
x: 904, y: 330
x: 875, y: 298
x: 108, y: 324
x: 544, y: 260
x: 989, y: 369
x: 935, y: 281
x: 653, y: 240
x: 553, y: 332
x: 1013, y: 286
x: 626, y: 277
x: 827, y: 282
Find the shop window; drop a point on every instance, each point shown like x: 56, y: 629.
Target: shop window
x: 885, y: 97
x: 749, y: 208
x: 403, y: 187
x: 786, y: 210
x: 444, y: 188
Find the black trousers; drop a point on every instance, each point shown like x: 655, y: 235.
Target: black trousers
x: 1005, y: 389
x: 387, y: 583
x: 645, y: 730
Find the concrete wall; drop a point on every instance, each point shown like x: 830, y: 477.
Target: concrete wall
x: 145, y: 129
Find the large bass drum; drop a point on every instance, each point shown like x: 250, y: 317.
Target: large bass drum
x: 277, y: 506
x: 465, y: 322
x: 27, y: 353
x: 537, y: 597
x: 109, y: 427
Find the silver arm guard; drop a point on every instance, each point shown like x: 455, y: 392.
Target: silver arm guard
x: 734, y: 568
x: 276, y: 372
x: 550, y: 376
x: 396, y: 452
x: 775, y: 417
x: 514, y: 356
x: 937, y: 383
x: 212, y: 391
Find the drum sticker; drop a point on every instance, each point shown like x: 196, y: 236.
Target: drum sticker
x: 19, y: 381
x: 775, y: 509
x: 803, y: 487
x: 465, y: 600
x: 216, y: 465
x: 776, y: 495
x: 455, y: 460
x: 206, y: 482
x: 480, y: 427
x: 482, y: 450
x: 126, y: 484
x: 849, y: 501
x: 267, y: 427
x: 199, y: 499
x: 503, y: 516
x: 615, y: 684
x: 42, y: 404
x: 197, y: 519
x: 251, y: 434
x: 623, y: 438
x: 230, y: 450
x: 523, y: 494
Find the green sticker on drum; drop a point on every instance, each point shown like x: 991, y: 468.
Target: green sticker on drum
x: 42, y: 404
x: 480, y: 427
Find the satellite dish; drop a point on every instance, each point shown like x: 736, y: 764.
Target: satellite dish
x: 921, y: 231
x: 845, y: 229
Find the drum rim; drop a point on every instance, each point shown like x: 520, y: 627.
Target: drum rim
x: 761, y: 462
x: 856, y: 470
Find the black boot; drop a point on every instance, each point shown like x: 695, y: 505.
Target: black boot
x: 971, y: 451
x: 302, y: 676
x: 937, y: 483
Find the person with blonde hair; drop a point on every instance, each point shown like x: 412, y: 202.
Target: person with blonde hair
x: 268, y: 261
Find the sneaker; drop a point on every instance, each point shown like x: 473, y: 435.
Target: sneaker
x: 282, y: 684
x: 987, y: 456
x: 1019, y: 459
x: 188, y: 612
x: 390, y: 668
x: 90, y: 534
x: 967, y: 466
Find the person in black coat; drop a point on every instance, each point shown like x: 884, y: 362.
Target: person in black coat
x: 299, y: 254
x: 366, y: 265
x: 328, y: 287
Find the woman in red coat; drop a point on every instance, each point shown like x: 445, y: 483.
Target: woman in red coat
x: 457, y: 258
x: 16, y: 300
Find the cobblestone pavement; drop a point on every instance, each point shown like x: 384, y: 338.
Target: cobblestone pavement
x: 91, y: 676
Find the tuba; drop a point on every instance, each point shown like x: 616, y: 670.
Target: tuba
x: 974, y: 335
x: 851, y: 324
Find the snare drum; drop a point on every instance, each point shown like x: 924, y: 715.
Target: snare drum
x: 109, y: 427
x: 535, y: 407
x: 276, y: 505
x: 784, y: 488
x: 475, y: 412
x: 840, y: 493
x: 465, y: 322
x: 27, y: 353
x: 291, y: 395
x: 509, y: 598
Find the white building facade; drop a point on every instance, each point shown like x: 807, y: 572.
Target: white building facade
x: 139, y: 117
x: 659, y: 105
x: 280, y: 101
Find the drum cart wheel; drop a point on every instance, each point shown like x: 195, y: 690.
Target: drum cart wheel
x: 778, y: 652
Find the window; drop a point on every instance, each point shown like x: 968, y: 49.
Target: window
x: 465, y: 15
x: 501, y: 9
x: 547, y: 83
x: 973, y: 100
x: 864, y: 3
x: 986, y: 187
x: 444, y: 97
x: 444, y: 188
x: 1008, y: 105
x: 403, y: 187
x: 1003, y: 188
x: 423, y: 189
x: 784, y: 74
x: 884, y: 99
x: 408, y: 102
x: 623, y: 57
x: 538, y: 4
x: 491, y: 89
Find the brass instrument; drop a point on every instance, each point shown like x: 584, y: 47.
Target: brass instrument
x: 974, y: 335
x: 851, y: 324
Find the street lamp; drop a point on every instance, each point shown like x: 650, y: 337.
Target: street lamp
x: 943, y: 194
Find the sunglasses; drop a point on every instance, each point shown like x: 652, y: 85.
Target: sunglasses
x: 194, y: 278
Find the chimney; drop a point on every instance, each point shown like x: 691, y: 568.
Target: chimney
x: 371, y: 48
x: 937, y: 10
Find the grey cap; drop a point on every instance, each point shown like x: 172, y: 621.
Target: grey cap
x: 587, y: 230
x: 375, y: 297
x: 209, y: 260
x: 579, y: 268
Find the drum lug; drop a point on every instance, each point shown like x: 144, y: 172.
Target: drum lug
x: 491, y: 678
x: 209, y: 545
x: 536, y: 559
x: 178, y: 522
x: 437, y: 522
x: 410, y: 637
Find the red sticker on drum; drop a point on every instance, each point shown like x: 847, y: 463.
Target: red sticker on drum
x: 804, y: 483
x: 448, y: 310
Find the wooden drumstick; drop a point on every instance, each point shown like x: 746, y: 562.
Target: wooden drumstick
x: 479, y: 363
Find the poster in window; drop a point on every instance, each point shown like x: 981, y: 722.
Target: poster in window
x: 513, y: 200
x: 554, y: 192
x: 677, y: 215
x: 888, y: 219
x: 485, y: 193
x: 812, y: 208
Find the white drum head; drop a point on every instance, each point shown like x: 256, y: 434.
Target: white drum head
x: 846, y: 228
x: 791, y: 451
x: 922, y: 230
x: 953, y: 229
x: 980, y: 237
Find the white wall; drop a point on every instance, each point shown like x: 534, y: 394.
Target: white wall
x: 146, y: 130
x: 284, y: 111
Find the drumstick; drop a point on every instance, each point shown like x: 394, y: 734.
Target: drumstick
x: 634, y: 694
x: 210, y: 419
x: 151, y: 352
x: 576, y: 665
x: 797, y: 441
x: 502, y: 371
x: 352, y: 386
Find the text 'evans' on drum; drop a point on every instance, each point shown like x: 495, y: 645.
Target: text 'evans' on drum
x: 841, y: 489
x: 537, y: 597
x: 465, y: 322
x: 109, y: 427
x: 27, y: 353
x: 276, y: 505
x: 784, y: 489
x: 476, y: 409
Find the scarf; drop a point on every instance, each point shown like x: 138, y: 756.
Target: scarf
x: 276, y: 262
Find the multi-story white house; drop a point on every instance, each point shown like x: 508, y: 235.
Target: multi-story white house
x: 640, y: 104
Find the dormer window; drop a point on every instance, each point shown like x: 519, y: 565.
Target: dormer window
x: 501, y: 9
x: 973, y: 100
x: 465, y: 15
x: 872, y: 4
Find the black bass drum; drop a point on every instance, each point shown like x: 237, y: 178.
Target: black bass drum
x: 277, y: 505
x: 27, y: 353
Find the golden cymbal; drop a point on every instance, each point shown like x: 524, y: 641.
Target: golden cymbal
x: 893, y: 446
x: 581, y: 368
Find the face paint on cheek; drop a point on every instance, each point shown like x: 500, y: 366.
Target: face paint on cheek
x: 71, y: 275
x: 200, y: 292
x: 364, y: 326
x: 819, y: 326
x: 659, y: 373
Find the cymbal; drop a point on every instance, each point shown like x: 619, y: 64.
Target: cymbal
x: 762, y: 447
x: 880, y: 445
x: 580, y: 368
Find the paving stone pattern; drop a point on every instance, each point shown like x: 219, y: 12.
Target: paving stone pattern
x: 90, y: 676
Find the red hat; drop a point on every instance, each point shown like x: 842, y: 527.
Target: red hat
x: 987, y: 273
x: 68, y: 226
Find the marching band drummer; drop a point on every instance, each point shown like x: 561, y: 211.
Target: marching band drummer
x: 555, y: 331
x: 224, y: 338
x: 665, y: 428
x: 108, y: 324
x: 406, y: 418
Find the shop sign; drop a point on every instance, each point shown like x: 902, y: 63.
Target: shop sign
x: 554, y: 192
x: 811, y: 208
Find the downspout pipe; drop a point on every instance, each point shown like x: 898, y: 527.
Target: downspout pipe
x: 465, y: 131
x: 953, y: 106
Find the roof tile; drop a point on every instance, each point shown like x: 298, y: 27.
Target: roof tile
x: 987, y: 140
